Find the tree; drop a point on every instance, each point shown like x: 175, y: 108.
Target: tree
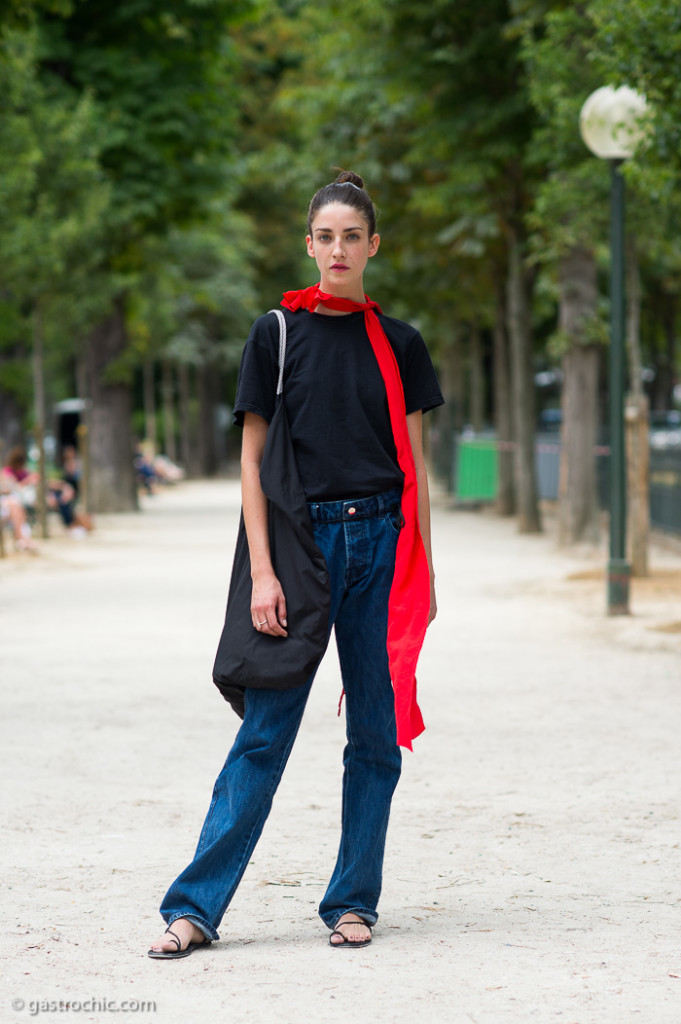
x: 568, y: 221
x: 162, y: 81
x: 439, y: 115
x: 646, y: 48
x: 191, y: 312
x: 565, y: 44
x: 54, y: 198
x: 643, y: 49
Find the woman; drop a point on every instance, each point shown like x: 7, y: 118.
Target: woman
x: 20, y: 478
x: 13, y: 512
x: 355, y: 384
x: 18, y: 494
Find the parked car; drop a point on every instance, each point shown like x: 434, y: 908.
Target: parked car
x: 550, y: 421
x: 665, y: 429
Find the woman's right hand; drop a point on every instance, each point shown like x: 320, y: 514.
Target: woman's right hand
x: 268, y: 605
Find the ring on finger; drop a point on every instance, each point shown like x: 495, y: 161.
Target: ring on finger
x: 263, y: 623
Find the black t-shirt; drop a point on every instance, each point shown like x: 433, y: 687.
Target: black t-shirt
x: 335, y: 397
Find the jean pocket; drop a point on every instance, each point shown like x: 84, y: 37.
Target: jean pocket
x: 395, y: 519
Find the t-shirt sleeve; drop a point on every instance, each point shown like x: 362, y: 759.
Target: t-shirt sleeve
x: 421, y: 388
x: 258, y: 371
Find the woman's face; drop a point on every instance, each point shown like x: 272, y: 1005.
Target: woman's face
x: 341, y: 246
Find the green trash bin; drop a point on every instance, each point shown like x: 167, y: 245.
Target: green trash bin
x: 477, y: 470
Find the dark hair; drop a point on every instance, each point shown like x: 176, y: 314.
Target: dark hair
x: 348, y: 188
x: 17, y: 457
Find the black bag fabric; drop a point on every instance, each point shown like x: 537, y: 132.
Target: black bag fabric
x: 246, y: 657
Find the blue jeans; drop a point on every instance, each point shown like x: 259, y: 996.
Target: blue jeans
x: 358, y: 540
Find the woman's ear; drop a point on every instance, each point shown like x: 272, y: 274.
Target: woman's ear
x: 310, y: 246
x: 374, y: 243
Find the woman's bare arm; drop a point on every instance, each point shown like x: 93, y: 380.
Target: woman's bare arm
x: 268, y: 604
x: 415, y: 427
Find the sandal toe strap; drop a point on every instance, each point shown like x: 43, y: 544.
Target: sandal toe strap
x: 175, y: 938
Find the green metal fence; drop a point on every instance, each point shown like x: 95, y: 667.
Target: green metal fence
x: 472, y: 474
x: 665, y: 490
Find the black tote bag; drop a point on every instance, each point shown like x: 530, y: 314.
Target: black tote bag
x: 246, y: 657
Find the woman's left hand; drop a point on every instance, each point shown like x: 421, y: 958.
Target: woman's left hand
x: 433, y: 603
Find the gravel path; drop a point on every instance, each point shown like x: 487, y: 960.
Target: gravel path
x: 533, y: 864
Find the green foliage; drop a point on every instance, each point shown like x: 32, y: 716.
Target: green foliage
x: 641, y: 45
x: 569, y: 51
x: 53, y: 197
x: 272, y: 165
x: 570, y: 207
x: 435, y: 117
x: 196, y: 300
x: 161, y: 78
x: 594, y: 330
x: 118, y: 129
x: 167, y: 151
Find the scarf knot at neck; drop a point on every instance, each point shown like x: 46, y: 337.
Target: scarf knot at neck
x: 409, y: 602
x: 310, y: 298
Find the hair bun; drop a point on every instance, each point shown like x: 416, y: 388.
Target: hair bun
x: 334, y: 192
x: 351, y: 177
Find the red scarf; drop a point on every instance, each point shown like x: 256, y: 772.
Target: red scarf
x: 409, y: 603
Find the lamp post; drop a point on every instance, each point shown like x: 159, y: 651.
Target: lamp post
x: 611, y: 126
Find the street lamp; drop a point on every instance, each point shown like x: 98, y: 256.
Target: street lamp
x: 611, y: 123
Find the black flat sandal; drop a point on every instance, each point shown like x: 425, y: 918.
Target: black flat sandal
x: 348, y: 943
x: 176, y: 954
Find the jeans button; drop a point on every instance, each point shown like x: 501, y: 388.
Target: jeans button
x: 351, y: 511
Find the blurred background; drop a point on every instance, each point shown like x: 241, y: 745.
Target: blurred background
x: 156, y: 162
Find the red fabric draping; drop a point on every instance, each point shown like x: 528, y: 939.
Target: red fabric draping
x: 409, y: 602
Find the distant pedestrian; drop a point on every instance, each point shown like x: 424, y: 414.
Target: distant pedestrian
x: 355, y: 386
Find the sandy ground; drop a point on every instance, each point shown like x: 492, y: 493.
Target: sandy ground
x: 532, y: 872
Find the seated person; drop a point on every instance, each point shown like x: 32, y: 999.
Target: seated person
x: 144, y: 470
x: 18, y: 479
x: 71, y: 473
x: 167, y: 471
x: 61, y: 497
x: 13, y: 512
x: 70, y: 468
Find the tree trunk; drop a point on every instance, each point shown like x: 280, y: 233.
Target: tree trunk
x: 186, y: 454
x: 209, y: 380
x: 150, y: 404
x: 522, y: 376
x: 633, y: 293
x: 168, y: 393
x: 502, y: 412
x: 638, y: 494
x: 12, y: 427
x: 668, y: 362
x: 453, y: 416
x: 577, y: 489
x: 477, y: 379
x: 83, y: 430
x: 82, y: 385
x: 637, y: 426
x: 112, y: 474
x: 453, y: 380
x: 39, y: 412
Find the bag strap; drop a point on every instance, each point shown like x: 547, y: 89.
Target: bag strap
x: 282, y: 348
